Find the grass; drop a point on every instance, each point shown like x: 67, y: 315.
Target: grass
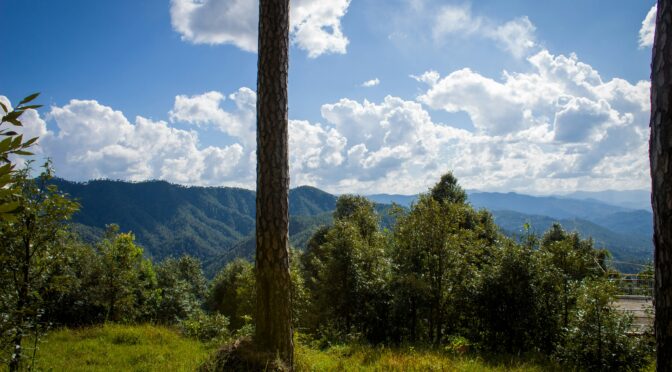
x: 370, y: 358
x: 115, y: 347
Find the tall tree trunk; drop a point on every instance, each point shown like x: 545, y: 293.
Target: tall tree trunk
x: 273, y: 321
x: 660, y: 152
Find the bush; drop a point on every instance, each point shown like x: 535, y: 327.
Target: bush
x: 206, y: 327
x: 597, y: 338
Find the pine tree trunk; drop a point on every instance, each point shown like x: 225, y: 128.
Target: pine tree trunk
x: 273, y: 321
x: 660, y: 152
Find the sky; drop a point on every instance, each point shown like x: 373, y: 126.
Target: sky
x: 384, y: 96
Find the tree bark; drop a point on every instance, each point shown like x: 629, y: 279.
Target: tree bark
x: 273, y: 322
x: 660, y: 152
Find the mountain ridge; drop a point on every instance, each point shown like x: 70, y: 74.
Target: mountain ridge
x: 216, y: 224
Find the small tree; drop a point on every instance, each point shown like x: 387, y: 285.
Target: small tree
x: 182, y: 286
x: 126, y: 278
x: 232, y: 293
x: 448, y: 190
x: 347, y: 273
x: 33, y: 242
x: 597, y: 338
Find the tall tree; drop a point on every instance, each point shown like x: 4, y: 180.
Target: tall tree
x: 660, y: 152
x: 273, y: 320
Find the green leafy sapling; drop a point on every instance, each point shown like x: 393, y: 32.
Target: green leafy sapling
x: 12, y: 143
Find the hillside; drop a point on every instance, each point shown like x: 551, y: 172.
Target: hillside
x: 216, y: 224
x: 172, y: 220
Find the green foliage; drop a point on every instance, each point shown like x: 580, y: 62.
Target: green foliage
x: 183, y: 289
x: 432, y: 274
x: 347, y: 271
x: 597, y: 337
x: 300, y: 296
x: 438, y: 248
x: 206, y: 327
x: 447, y: 190
x: 32, y: 245
x: 12, y: 143
x: 76, y: 299
x: 127, y: 280
x: 232, y: 293
x: 507, y: 309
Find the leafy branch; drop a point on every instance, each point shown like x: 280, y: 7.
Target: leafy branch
x: 12, y: 144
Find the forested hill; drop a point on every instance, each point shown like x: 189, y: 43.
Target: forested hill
x: 171, y: 220
x: 216, y: 224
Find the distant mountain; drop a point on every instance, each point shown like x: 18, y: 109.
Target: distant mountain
x: 624, y: 246
x: 171, y: 220
x: 544, y: 205
x: 624, y: 231
x: 639, y: 222
x: 403, y: 200
x: 216, y: 224
x: 560, y: 207
x: 633, y: 199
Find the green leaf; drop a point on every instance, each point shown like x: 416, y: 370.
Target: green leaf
x: 14, y: 121
x: 29, y: 98
x: 9, y: 207
x: 10, y: 133
x: 30, y: 142
x: 33, y: 107
x: 5, y: 169
x: 21, y: 152
x: 4, y: 107
x: 5, y: 145
x: 12, y: 115
x: 17, y: 141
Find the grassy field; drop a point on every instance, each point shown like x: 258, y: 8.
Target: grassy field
x: 154, y: 348
x: 368, y: 358
x: 120, y: 348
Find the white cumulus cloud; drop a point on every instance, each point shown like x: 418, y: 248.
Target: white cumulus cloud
x: 559, y: 126
x: 315, y: 25
x: 648, y: 29
x: 91, y: 141
x: 516, y: 36
x: 575, y: 125
x: 371, y: 83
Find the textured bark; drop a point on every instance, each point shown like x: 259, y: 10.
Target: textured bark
x: 273, y: 321
x: 660, y: 152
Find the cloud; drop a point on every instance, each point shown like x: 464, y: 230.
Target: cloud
x: 575, y: 125
x: 204, y: 110
x: 556, y: 127
x: 452, y: 19
x: 315, y: 25
x: 647, y: 31
x: 516, y: 36
x: 371, y: 83
x: 91, y: 141
x: 429, y: 77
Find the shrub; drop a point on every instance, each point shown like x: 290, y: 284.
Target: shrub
x: 206, y: 327
x: 597, y: 338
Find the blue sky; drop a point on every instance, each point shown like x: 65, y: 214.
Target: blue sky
x: 529, y: 96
